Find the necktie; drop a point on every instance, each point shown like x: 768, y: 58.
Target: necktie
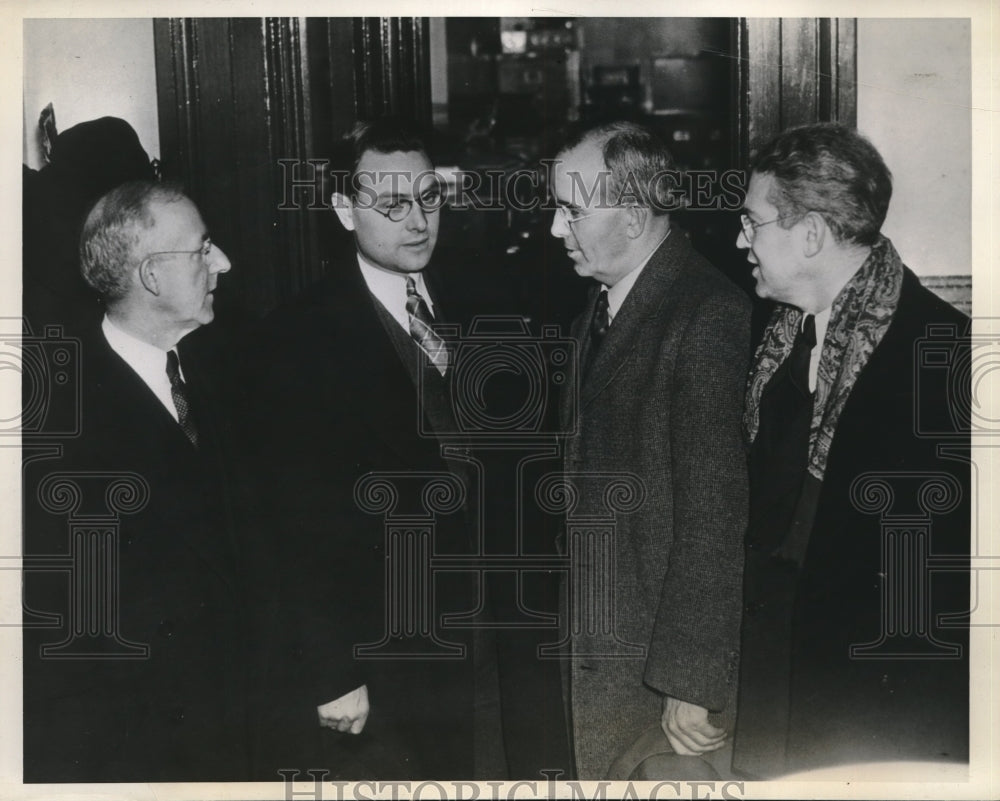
x: 599, y: 324
x: 178, y: 391
x: 780, y: 454
x: 420, y: 328
x: 801, y: 354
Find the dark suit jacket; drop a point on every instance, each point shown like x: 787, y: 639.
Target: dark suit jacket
x: 331, y: 402
x: 662, y: 401
x: 175, y: 715
x: 800, y: 688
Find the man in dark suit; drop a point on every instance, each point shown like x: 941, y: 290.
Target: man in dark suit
x: 139, y: 677
x: 351, y: 379
x: 847, y: 656
x: 663, y: 349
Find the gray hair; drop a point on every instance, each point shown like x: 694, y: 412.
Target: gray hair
x: 637, y: 161
x: 112, y: 230
x: 830, y: 169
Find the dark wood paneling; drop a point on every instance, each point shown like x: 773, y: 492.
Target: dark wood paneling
x: 330, y: 64
x: 793, y: 72
x: 392, y: 63
x: 241, y: 100
x: 763, y: 82
x: 800, y: 80
x: 844, y: 68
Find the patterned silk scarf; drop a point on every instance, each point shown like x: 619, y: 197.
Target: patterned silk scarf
x: 859, y: 318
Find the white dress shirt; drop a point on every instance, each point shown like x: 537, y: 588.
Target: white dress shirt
x: 618, y: 292
x: 148, y: 361
x: 390, y: 289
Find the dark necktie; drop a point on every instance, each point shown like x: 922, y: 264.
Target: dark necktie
x: 780, y: 454
x: 600, y: 322
x: 420, y: 328
x: 178, y: 391
x: 801, y: 355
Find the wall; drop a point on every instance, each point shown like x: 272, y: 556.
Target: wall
x: 914, y: 103
x: 64, y: 60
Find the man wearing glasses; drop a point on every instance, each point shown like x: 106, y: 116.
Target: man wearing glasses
x: 847, y: 656
x: 353, y: 378
x: 143, y: 679
x: 664, y: 346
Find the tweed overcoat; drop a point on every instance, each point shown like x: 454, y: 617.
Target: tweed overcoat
x: 661, y: 400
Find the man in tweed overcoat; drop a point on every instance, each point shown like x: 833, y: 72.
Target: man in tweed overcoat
x: 661, y: 380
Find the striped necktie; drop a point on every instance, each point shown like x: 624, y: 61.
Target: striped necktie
x: 420, y: 328
x: 178, y: 391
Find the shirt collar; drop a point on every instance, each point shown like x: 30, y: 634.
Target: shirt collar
x: 390, y: 289
x: 149, y: 361
x: 618, y: 292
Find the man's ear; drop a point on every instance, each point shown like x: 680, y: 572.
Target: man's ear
x: 147, y: 277
x: 815, y: 232
x: 345, y: 210
x: 635, y: 221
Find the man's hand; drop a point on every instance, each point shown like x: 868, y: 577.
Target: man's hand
x: 687, y: 728
x: 347, y: 713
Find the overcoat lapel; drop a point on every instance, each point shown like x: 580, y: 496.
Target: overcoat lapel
x: 644, y: 301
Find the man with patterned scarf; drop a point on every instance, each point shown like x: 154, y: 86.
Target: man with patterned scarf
x: 853, y: 648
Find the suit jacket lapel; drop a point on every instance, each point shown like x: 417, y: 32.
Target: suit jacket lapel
x: 384, y: 396
x: 644, y: 300
x: 125, y: 390
x: 132, y: 409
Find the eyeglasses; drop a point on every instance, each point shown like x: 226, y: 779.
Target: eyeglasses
x: 750, y: 227
x: 202, y: 252
x: 572, y: 215
x: 398, y: 209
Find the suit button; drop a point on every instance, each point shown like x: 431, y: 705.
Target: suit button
x: 753, y: 607
x: 165, y: 629
x: 177, y: 714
